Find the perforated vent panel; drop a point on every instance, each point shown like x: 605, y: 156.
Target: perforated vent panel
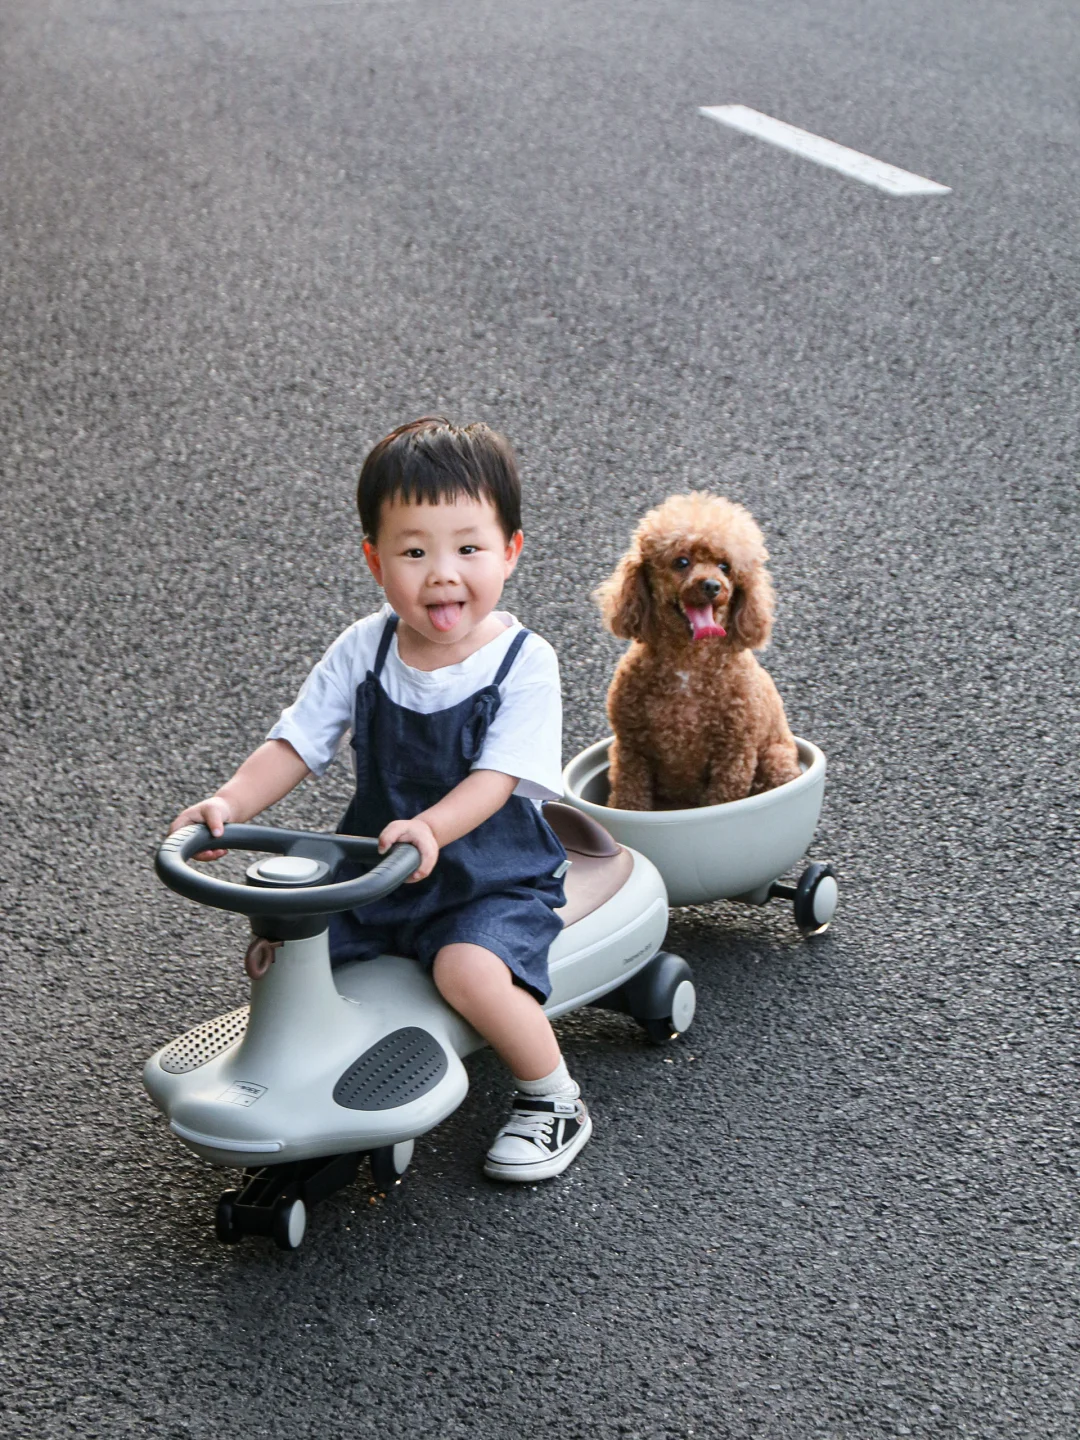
x: 189, y: 1051
x: 402, y: 1066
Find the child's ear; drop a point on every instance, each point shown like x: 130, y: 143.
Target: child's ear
x: 513, y: 551
x: 371, y: 555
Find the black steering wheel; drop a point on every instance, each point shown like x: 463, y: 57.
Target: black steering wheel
x: 262, y: 897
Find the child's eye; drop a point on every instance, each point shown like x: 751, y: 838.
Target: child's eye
x: 468, y: 549
x: 414, y: 554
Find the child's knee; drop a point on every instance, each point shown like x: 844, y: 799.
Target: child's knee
x: 463, y: 972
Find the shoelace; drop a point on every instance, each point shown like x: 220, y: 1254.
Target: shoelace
x: 530, y: 1125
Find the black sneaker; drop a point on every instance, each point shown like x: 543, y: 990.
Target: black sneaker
x: 539, y: 1140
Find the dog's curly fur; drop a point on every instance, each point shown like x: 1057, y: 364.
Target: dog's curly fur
x: 696, y: 721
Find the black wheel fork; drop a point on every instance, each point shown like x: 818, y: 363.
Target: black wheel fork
x: 251, y: 1209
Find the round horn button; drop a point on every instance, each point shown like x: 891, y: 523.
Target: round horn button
x: 287, y: 870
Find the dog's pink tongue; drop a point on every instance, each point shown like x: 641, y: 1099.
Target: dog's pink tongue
x: 703, y: 624
x: 444, y: 617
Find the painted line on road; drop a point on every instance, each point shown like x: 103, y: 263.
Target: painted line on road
x: 824, y: 152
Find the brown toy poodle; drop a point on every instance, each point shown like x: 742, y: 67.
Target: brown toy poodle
x: 697, y: 720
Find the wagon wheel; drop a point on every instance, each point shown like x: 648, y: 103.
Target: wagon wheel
x: 816, y: 898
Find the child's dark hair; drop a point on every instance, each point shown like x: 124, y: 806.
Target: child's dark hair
x: 430, y: 460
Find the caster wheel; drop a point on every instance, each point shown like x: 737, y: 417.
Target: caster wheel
x: 683, y: 1006
x: 670, y: 1027
x: 289, y: 1224
x: 226, y: 1222
x: 816, y: 897
x: 660, y: 997
x: 389, y: 1163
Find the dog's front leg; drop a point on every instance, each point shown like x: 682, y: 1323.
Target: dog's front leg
x: 631, y: 779
x: 730, y: 777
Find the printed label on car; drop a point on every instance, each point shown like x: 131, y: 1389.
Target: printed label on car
x: 242, y: 1093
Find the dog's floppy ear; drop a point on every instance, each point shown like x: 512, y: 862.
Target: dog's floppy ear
x: 750, y: 613
x: 625, y: 599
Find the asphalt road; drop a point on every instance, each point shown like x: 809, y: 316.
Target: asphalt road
x: 240, y: 241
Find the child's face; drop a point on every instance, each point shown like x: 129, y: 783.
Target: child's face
x: 443, y: 567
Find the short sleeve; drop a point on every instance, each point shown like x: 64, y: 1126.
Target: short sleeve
x: 525, y: 736
x: 323, y: 710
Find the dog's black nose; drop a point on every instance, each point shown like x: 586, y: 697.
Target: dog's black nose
x: 711, y: 588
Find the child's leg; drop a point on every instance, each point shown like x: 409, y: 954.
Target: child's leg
x: 549, y: 1123
x: 479, y: 986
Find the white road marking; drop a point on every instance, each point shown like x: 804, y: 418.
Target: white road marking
x: 824, y: 152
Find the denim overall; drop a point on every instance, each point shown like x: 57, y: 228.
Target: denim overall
x: 494, y: 887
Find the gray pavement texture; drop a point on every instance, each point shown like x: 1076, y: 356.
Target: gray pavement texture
x: 242, y: 240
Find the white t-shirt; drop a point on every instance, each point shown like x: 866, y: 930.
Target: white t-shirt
x: 524, y: 738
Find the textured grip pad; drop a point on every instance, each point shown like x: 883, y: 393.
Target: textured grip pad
x: 196, y: 1047
x: 401, y: 1067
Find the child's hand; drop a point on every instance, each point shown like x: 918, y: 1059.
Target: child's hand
x: 213, y: 813
x: 416, y: 832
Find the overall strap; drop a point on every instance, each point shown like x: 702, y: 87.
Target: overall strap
x: 511, y: 655
x: 384, y: 644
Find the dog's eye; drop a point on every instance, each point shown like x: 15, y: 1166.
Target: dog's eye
x: 724, y: 568
x: 681, y: 563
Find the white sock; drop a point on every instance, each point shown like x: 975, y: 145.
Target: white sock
x: 556, y: 1085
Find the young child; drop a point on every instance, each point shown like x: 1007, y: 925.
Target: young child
x: 456, y: 721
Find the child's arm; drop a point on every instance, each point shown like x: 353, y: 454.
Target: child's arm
x: 265, y: 776
x: 468, y: 805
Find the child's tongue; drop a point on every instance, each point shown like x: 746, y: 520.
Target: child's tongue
x: 445, y: 617
x: 702, y: 622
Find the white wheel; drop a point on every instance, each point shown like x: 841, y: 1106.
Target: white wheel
x: 683, y: 1005
x: 826, y: 895
x: 290, y: 1222
x: 297, y: 1224
x: 389, y: 1163
x: 816, y: 896
x: 403, y: 1152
